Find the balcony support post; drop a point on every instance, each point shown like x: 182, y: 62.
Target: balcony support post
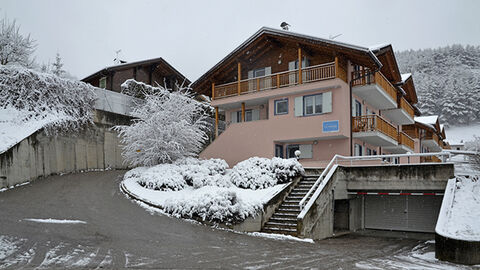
x: 239, y: 76
x: 300, y: 79
x: 336, y: 66
x: 213, y: 91
x: 216, y: 122
x: 243, y: 111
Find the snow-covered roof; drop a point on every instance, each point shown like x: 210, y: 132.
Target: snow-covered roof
x: 429, y: 120
x: 405, y: 76
x: 285, y: 33
x: 378, y: 47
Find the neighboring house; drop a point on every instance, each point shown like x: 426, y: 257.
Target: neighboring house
x: 281, y: 91
x: 429, y: 136
x: 151, y: 71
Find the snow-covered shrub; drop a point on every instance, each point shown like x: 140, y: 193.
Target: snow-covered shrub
x: 211, y: 204
x: 259, y: 173
x: 44, y: 95
x: 474, y: 146
x: 168, y: 126
x: 199, y: 173
x: 164, y: 177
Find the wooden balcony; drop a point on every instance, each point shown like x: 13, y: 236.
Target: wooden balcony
x: 405, y: 144
x: 374, y: 130
x: 430, y: 159
x: 375, y: 89
x: 432, y: 142
x: 404, y: 105
x: 281, y: 79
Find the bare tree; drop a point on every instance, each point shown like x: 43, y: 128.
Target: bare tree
x: 14, y: 47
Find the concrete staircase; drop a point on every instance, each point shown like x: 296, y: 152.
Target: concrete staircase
x: 284, y: 220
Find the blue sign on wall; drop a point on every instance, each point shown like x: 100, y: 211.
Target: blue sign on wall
x: 330, y: 126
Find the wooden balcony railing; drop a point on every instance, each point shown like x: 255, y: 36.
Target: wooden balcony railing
x: 280, y: 79
x: 433, y: 136
x: 406, y: 140
x: 407, y: 107
x: 366, y: 123
x: 430, y: 159
x: 364, y: 77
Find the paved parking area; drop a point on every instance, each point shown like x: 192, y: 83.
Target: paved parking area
x: 101, y: 228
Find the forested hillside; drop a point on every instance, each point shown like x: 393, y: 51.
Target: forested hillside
x: 447, y: 81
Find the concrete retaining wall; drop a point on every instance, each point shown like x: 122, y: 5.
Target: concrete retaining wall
x: 457, y: 251
x: 39, y: 155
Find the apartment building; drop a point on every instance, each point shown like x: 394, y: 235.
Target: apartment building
x: 281, y: 91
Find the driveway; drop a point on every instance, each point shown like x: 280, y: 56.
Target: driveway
x: 117, y: 232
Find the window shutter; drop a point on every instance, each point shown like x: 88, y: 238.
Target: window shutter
x: 306, y: 151
x: 255, y: 114
x: 298, y: 106
x: 305, y: 62
x: 291, y: 65
x: 327, y: 102
x: 234, y: 117
x: 250, y: 74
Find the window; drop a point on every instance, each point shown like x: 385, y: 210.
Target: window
x: 369, y: 152
x: 103, y: 83
x: 358, y: 108
x: 259, y: 72
x: 358, y: 150
x: 374, y: 152
x: 281, y: 106
x: 291, y: 150
x: 248, y: 115
x: 313, y: 104
x: 279, y: 150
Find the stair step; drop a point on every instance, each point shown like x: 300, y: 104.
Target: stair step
x: 292, y: 233
x: 282, y: 225
x: 273, y: 228
x: 285, y: 215
x: 291, y: 209
x: 291, y: 202
x: 282, y: 220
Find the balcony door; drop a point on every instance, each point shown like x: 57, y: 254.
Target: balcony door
x: 293, y: 65
x: 264, y: 82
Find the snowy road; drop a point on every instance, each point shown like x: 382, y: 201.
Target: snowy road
x: 84, y: 221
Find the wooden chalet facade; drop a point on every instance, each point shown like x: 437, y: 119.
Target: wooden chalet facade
x: 151, y: 71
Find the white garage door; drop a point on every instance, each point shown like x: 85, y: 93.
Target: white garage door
x: 402, y: 213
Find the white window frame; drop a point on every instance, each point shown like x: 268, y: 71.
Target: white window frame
x: 103, y: 80
x: 276, y: 106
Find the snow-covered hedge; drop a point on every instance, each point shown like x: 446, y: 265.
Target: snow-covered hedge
x: 163, y: 177
x: 199, y: 173
x: 212, y: 204
x: 258, y: 173
x: 44, y: 95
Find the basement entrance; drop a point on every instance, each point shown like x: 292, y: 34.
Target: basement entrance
x: 341, y: 215
x: 416, y: 213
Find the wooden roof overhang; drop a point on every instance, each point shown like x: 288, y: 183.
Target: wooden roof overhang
x: 160, y: 64
x: 409, y: 87
x: 266, y: 38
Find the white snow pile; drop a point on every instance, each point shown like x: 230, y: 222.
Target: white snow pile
x: 207, y: 190
x: 55, y: 221
x: 258, y: 173
x: 460, y: 213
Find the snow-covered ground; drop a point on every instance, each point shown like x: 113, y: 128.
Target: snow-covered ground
x: 55, y: 221
x: 462, y: 133
x: 207, y: 189
x: 14, y: 128
x: 459, y: 216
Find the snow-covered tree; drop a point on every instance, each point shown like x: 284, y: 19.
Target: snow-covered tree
x: 167, y: 126
x: 474, y: 146
x: 14, y: 47
x: 57, y: 66
x: 43, y: 95
x: 447, y: 81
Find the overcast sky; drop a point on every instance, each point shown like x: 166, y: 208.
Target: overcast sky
x: 194, y: 35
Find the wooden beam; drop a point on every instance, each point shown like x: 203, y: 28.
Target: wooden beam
x: 243, y: 111
x: 216, y: 122
x: 213, y: 91
x: 336, y: 66
x: 239, y: 76
x: 300, y: 81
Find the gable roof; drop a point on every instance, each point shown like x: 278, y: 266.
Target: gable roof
x: 160, y: 61
x: 366, y: 55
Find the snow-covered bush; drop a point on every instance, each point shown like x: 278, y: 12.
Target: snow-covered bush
x: 211, y: 204
x: 199, y: 173
x: 474, y: 146
x: 164, y: 177
x: 168, y: 126
x: 44, y: 95
x: 258, y: 173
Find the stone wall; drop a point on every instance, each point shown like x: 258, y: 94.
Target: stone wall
x: 95, y: 148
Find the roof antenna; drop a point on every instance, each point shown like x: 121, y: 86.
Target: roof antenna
x: 333, y: 37
x: 117, y: 60
x: 284, y: 26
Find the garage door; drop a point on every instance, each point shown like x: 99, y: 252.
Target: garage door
x: 402, y: 213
